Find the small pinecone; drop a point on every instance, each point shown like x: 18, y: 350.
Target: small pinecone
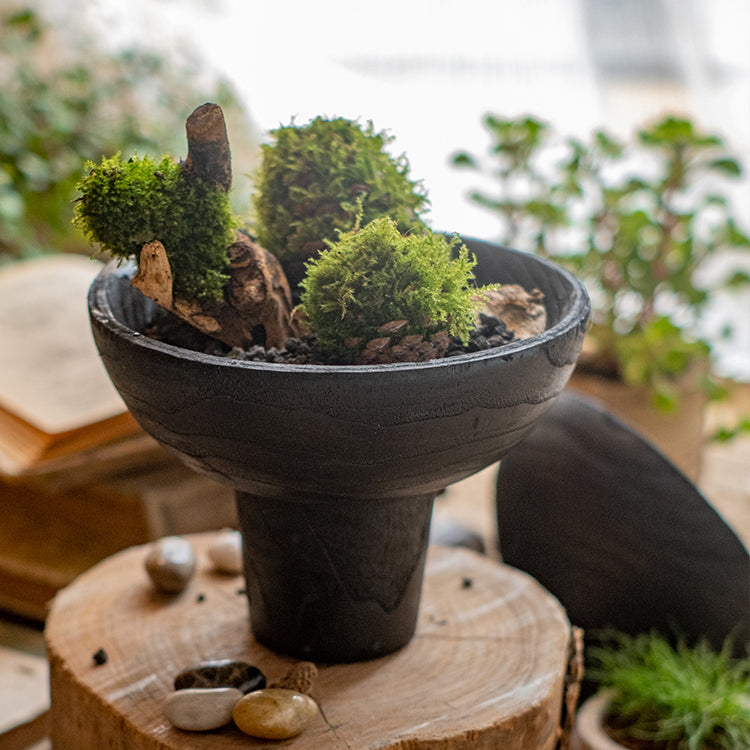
x: 411, y: 348
x: 301, y: 677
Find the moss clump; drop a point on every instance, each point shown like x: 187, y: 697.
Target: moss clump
x: 376, y: 275
x: 125, y: 204
x: 313, y: 178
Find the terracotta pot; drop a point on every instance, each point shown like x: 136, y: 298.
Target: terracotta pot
x: 677, y: 435
x: 336, y: 468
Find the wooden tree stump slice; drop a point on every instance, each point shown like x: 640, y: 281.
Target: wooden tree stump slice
x: 485, y: 669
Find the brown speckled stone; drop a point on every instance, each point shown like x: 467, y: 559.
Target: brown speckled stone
x: 274, y: 713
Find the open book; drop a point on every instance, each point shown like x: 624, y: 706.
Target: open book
x: 55, y: 395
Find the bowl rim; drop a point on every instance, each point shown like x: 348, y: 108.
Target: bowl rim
x: 101, y: 314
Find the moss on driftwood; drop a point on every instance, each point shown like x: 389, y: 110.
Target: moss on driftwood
x: 177, y: 221
x: 126, y: 204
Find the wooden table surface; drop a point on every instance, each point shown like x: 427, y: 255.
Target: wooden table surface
x: 485, y: 669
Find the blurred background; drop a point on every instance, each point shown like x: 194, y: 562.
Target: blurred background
x: 85, y: 78
x: 111, y: 75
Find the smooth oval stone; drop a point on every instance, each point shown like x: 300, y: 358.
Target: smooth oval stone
x: 226, y: 552
x: 171, y: 563
x: 201, y: 709
x: 221, y: 673
x: 274, y: 713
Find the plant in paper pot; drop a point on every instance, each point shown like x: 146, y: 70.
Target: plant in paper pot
x: 656, y: 695
x: 335, y: 463
x: 639, y: 222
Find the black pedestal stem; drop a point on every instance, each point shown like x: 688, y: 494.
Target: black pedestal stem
x: 333, y: 579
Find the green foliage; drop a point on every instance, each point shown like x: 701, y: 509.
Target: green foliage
x: 724, y: 433
x: 376, y: 275
x: 313, y: 179
x: 689, y: 698
x: 125, y: 204
x: 658, y: 355
x: 636, y: 221
x: 64, y: 100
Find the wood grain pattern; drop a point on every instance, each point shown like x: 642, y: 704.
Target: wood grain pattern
x: 485, y: 669
x: 391, y: 430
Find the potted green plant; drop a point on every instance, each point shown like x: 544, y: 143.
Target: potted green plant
x: 638, y: 222
x: 655, y: 695
x: 335, y: 465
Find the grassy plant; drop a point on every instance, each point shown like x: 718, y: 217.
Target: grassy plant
x: 688, y: 698
x: 376, y: 275
x: 637, y: 221
x: 125, y: 204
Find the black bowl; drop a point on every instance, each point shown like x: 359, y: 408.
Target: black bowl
x: 332, y: 458
x: 365, y: 431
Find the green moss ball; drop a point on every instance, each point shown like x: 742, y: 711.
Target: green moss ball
x: 313, y: 178
x: 376, y: 275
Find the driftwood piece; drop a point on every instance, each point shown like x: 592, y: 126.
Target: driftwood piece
x: 154, y: 277
x: 209, y: 156
x: 257, y: 295
x: 257, y: 305
x: 522, y: 311
x: 259, y: 291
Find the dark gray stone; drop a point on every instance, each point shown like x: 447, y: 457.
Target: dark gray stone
x: 221, y: 673
x: 618, y: 534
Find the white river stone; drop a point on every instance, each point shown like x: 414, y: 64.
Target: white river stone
x: 201, y: 709
x: 226, y: 551
x: 171, y: 564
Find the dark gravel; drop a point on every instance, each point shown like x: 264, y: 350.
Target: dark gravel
x: 489, y: 334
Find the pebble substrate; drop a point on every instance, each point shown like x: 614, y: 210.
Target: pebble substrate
x: 491, y: 332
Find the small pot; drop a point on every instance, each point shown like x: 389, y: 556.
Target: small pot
x: 336, y: 468
x: 588, y: 733
x: 679, y: 435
